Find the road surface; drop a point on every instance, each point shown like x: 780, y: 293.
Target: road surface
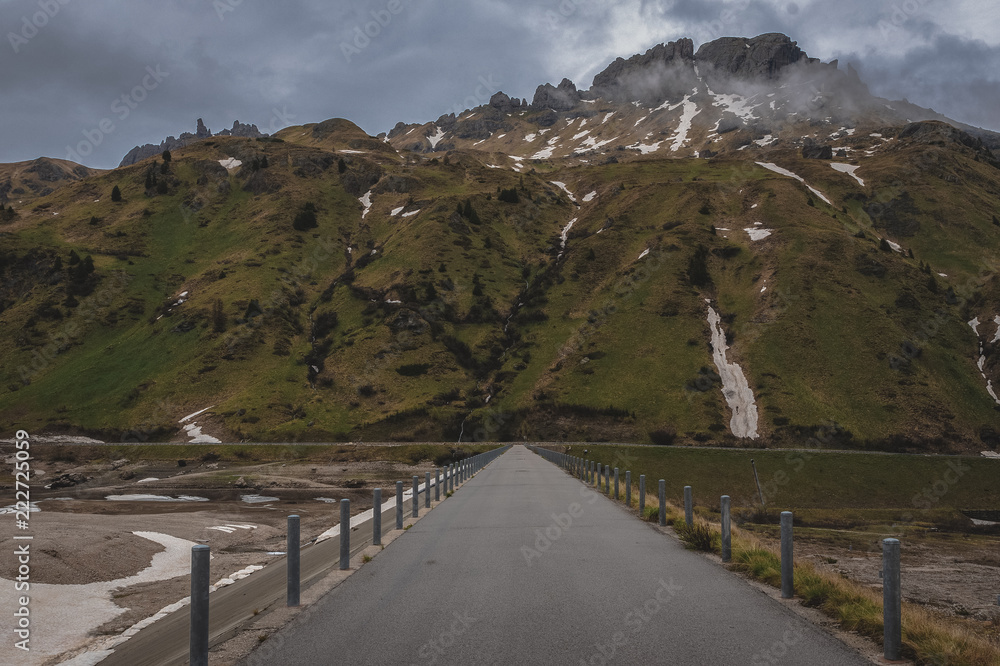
x: 527, y: 565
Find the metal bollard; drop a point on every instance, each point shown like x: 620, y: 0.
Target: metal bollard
x: 787, y: 567
x: 292, y: 568
x: 892, y: 638
x: 663, y: 503
x: 642, y: 494
x: 399, y: 505
x: 628, y: 489
x: 688, y: 506
x: 727, y: 538
x: 345, y: 534
x: 607, y: 480
x: 616, y: 483
x: 416, y: 495
x: 451, y: 478
x: 200, y: 574
x: 427, y: 490
x: 377, y: 517
x: 437, y: 485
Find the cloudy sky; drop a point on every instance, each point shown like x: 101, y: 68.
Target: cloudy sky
x: 99, y: 76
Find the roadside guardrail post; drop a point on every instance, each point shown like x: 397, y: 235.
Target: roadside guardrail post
x: 688, y: 507
x: 377, y: 517
x: 787, y: 567
x: 200, y: 574
x: 292, y: 570
x: 437, y: 484
x: 727, y: 539
x: 427, y: 490
x: 616, y: 483
x: 663, y: 503
x: 345, y: 534
x: 399, y: 505
x: 892, y: 639
x: 416, y: 495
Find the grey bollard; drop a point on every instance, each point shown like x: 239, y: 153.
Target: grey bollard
x: 345, y: 534
x: 451, y: 478
x: 727, y: 538
x: 628, y: 489
x: 663, y: 503
x: 416, y: 495
x: 399, y: 505
x: 688, y: 506
x: 427, y: 490
x: 616, y: 483
x: 437, y: 485
x: 787, y: 567
x: 597, y: 484
x: 200, y: 573
x: 642, y: 494
x: 892, y: 639
x: 377, y: 517
x: 292, y: 569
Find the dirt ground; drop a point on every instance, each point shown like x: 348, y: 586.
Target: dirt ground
x: 82, y: 538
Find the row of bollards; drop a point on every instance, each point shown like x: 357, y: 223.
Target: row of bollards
x: 201, y: 554
x: 590, y: 472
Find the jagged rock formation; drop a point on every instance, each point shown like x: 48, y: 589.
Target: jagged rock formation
x: 140, y: 153
x: 558, y: 98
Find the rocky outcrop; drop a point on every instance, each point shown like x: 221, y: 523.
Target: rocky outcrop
x: 558, y: 98
x: 140, y: 153
x: 815, y: 151
x: 505, y: 104
x: 662, y: 72
x: 761, y: 57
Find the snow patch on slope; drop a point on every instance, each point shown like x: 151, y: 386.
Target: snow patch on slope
x: 562, y: 186
x: 366, y: 201
x: 849, y: 169
x: 785, y: 172
x: 735, y: 387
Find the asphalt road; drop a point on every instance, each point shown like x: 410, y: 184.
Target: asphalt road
x: 529, y: 566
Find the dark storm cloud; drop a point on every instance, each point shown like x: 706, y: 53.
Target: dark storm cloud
x: 77, y: 74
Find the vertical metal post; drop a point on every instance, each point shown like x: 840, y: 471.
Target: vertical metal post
x: 642, y: 494
x: 616, y: 483
x: 628, y: 489
x: 399, y: 505
x: 727, y: 538
x: 437, y: 485
x: 427, y: 490
x: 416, y: 495
x: 345, y: 534
x: 787, y: 567
x: 688, y: 506
x: 200, y: 563
x: 892, y: 639
x: 377, y: 517
x: 292, y: 570
x: 663, y: 502
x: 607, y: 480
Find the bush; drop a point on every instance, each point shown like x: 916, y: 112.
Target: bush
x: 698, y: 536
x: 663, y: 436
x: 116, y: 194
x: 413, y: 369
x: 305, y: 219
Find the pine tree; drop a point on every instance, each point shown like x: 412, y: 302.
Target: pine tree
x: 341, y: 165
x: 74, y: 258
x: 116, y: 194
x: 166, y: 157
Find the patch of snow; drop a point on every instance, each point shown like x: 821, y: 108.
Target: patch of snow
x: 989, y: 454
x: 607, y: 117
x: 895, y: 246
x: 765, y: 141
x: 148, y: 479
x: 494, y: 166
x: 644, y: 253
x: 590, y: 197
x: 591, y: 143
x: 435, y: 138
x: 352, y: 152
x: 139, y: 497
x: 544, y: 153
x: 757, y: 234
x: 754, y: 206
x: 366, y: 201
x: 975, y: 325
x: 530, y: 137
x: 735, y: 387
x: 639, y: 121
x: 687, y: 116
x: 411, y: 213
x: 876, y: 135
x: 231, y: 163
x: 393, y: 302
x: 645, y: 148
x: 736, y: 104
x: 562, y: 186
x: 193, y: 431
x: 500, y: 136
x: 233, y: 577
x: 563, y: 237
x: 479, y: 142
x: 996, y: 338
x: 257, y: 499
x: 581, y: 135
x: 396, y: 211
x: 191, y: 416
x: 849, y: 169
x: 943, y: 274
x: 785, y: 172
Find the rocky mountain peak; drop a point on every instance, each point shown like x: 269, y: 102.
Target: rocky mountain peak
x: 140, y: 153
x: 761, y: 57
x: 558, y: 98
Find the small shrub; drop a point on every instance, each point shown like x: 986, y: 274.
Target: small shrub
x: 663, y: 436
x: 698, y: 536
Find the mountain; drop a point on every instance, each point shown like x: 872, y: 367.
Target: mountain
x: 140, y: 153
x: 732, y: 246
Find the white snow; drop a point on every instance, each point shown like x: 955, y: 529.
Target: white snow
x: 736, y: 104
x: 607, y: 117
x: 757, y: 234
x: 231, y: 527
x: 64, y: 616
x: 895, y: 246
x: 193, y: 431
x: 562, y: 186
x: 765, y: 141
x: 943, y: 274
x: 590, y: 197
x: 411, y: 213
x: 647, y: 148
x: 687, y: 116
x: 500, y: 136
x: 544, y: 153
x: 563, y: 237
x: 366, y: 201
x: 148, y: 479
x: 494, y: 166
x: 139, y: 497
x: 639, y: 121
x: 849, y: 169
x: 581, y: 135
x: 530, y: 137
x: 735, y: 387
x: 996, y: 338
x: 191, y: 416
x: 644, y: 253
x: 591, y: 143
x: 754, y: 206
x: 396, y: 211
x: 785, y: 172
x: 231, y: 163
x: 435, y: 138
x: 257, y: 499
x: 351, y: 152
x: 975, y: 325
